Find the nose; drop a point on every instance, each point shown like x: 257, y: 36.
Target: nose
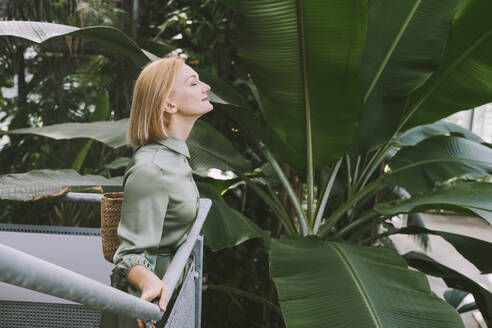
x: 207, y: 87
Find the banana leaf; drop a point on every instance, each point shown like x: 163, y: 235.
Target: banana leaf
x: 43, y: 184
x: 107, y: 36
x: 476, y: 251
x: 111, y: 133
x: 110, y: 37
x: 463, y: 80
x: 331, y: 284
x: 208, y: 148
x: 419, y: 133
x: 419, y: 168
x: 224, y: 226
x: 303, y: 57
x: 118, y: 163
x: 455, y: 297
x: 466, y: 197
x: 453, y: 279
x: 404, y: 46
x: 100, y: 114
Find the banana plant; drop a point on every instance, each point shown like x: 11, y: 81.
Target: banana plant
x: 338, y: 85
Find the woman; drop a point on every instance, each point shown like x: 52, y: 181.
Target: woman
x: 161, y: 200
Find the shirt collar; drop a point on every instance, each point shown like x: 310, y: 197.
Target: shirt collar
x: 175, y: 144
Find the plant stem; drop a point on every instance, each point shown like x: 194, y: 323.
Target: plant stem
x: 282, y: 215
x: 277, y: 201
x: 356, y: 171
x: 350, y: 210
x: 378, y: 236
x: 362, y: 219
x: 364, y: 171
x: 321, y: 204
x: 305, y: 230
x: 307, y: 112
x: 243, y: 200
x: 337, y: 215
x: 363, y: 230
x: 378, y: 158
x: 349, y: 176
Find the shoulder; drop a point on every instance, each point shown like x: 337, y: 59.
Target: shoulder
x: 151, y: 161
x: 156, y: 154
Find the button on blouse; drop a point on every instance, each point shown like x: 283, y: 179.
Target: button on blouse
x: 160, y: 204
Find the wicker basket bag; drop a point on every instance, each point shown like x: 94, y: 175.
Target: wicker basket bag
x: 110, y: 218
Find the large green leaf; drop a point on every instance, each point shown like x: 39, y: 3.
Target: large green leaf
x: 303, y: 57
x: 227, y: 100
x: 118, y: 163
x: 454, y: 297
x: 404, y: 45
x: 465, y: 78
x: 265, y: 175
x: 100, y: 114
x: 208, y: 148
x: 221, y: 92
x: 249, y: 123
x: 224, y: 226
x: 476, y: 251
x: 114, y: 39
x: 453, y: 279
x: 418, y: 168
x: 419, y: 133
x: 40, y: 184
x: 111, y: 133
x: 331, y: 284
x: 466, y: 197
x: 107, y: 36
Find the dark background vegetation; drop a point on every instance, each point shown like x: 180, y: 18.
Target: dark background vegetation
x: 60, y: 81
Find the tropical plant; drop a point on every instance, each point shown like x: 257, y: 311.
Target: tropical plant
x: 338, y: 87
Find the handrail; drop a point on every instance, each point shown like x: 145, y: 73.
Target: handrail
x: 23, y: 270
x: 30, y: 272
x: 81, y: 197
x: 179, y: 259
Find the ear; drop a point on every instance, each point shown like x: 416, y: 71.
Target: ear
x: 170, y: 107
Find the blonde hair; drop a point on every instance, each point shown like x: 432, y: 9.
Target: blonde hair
x: 152, y: 89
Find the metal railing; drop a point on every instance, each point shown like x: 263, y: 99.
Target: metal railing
x: 24, y: 270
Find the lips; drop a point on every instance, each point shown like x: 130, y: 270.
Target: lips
x: 205, y: 99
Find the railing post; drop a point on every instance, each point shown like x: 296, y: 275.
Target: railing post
x: 198, y: 255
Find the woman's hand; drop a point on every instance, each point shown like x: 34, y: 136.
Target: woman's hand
x: 151, y: 287
x: 152, y: 290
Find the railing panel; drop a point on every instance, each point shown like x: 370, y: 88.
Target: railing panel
x: 183, y: 311
x: 76, y: 249
x: 30, y: 272
x: 47, y: 315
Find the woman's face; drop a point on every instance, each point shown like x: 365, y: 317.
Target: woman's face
x: 190, y: 94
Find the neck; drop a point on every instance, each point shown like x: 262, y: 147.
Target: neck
x: 180, y: 126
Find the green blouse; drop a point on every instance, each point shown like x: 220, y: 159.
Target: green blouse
x: 160, y: 204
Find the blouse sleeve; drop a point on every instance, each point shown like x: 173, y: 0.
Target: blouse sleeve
x: 145, y: 201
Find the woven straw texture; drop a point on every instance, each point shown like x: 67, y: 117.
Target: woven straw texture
x: 110, y: 217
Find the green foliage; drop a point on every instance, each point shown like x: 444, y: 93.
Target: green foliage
x: 324, y: 93
x: 470, y: 198
x: 436, y: 159
x: 374, y: 283
x: 453, y: 279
